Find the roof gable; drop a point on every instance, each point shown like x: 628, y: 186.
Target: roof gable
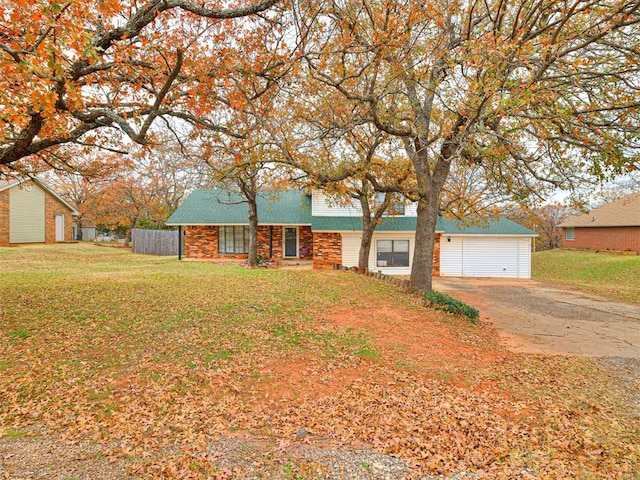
x: 5, y: 184
x: 220, y: 207
x: 621, y: 213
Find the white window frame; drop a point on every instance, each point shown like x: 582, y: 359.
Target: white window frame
x: 245, y: 239
x: 392, y: 240
x: 284, y: 240
x: 570, y: 234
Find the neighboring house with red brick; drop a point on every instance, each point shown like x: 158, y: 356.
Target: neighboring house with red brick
x: 32, y: 212
x: 298, y: 225
x: 614, y: 227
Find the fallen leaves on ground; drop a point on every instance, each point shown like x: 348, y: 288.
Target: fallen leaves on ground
x: 156, y: 361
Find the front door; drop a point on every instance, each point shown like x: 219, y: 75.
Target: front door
x: 290, y: 242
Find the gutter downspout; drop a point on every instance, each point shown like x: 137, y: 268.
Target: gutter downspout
x: 179, y: 242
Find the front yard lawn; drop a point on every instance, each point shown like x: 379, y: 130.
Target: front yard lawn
x: 614, y: 276
x: 146, y: 367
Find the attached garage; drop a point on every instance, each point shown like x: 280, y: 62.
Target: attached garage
x: 485, y: 256
x: 499, y: 248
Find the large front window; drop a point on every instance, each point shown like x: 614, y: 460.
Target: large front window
x: 233, y: 239
x: 392, y: 253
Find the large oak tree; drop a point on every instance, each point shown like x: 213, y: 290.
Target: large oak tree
x: 535, y: 91
x: 69, y: 69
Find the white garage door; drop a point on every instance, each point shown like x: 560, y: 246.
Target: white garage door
x: 496, y: 257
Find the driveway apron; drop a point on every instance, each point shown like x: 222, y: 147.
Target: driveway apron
x: 534, y: 317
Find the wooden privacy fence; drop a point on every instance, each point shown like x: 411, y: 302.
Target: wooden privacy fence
x: 154, y: 242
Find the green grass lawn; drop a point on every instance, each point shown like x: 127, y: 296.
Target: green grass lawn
x: 154, y: 360
x: 615, y: 276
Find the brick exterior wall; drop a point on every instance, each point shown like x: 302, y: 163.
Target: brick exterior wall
x: 327, y: 249
x: 270, y: 234
x: 201, y: 242
x: 604, y: 238
x: 4, y: 218
x: 53, y: 207
x: 306, y: 242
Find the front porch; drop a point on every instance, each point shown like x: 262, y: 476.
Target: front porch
x: 275, y: 242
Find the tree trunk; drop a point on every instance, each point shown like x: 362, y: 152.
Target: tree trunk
x: 127, y: 236
x: 369, y: 224
x: 253, y: 231
x: 365, y: 245
x: 422, y: 267
x: 430, y: 184
x: 367, y: 234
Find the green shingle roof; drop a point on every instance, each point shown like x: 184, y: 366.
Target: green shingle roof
x: 219, y: 207
x: 502, y: 226
x: 290, y: 207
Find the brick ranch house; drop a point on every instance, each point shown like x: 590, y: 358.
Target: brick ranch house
x: 299, y: 225
x: 614, y: 227
x: 32, y: 212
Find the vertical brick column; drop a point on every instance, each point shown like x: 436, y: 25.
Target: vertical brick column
x: 306, y: 242
x: 327, y: 249
x: 267, y: 234
x: 435, y: 271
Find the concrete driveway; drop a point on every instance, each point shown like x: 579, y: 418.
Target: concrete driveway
x: 534, y: 317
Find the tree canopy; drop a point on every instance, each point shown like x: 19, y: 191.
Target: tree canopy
x: 514, y: 97
x: 88, y: 73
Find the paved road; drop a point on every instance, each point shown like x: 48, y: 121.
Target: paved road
x: 534, y: 317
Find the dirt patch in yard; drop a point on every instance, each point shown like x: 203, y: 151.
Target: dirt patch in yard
x: 407, y: 334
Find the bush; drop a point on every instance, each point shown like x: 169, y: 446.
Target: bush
x: 442, y: 301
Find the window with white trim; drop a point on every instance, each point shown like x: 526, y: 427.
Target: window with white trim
x: 233, y: 239
x: 570, y: 233
x: 392, y: 253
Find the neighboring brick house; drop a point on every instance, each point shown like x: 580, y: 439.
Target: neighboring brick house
x: 298, y: 225
x: 32, y: 212
x: 614, y: 227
